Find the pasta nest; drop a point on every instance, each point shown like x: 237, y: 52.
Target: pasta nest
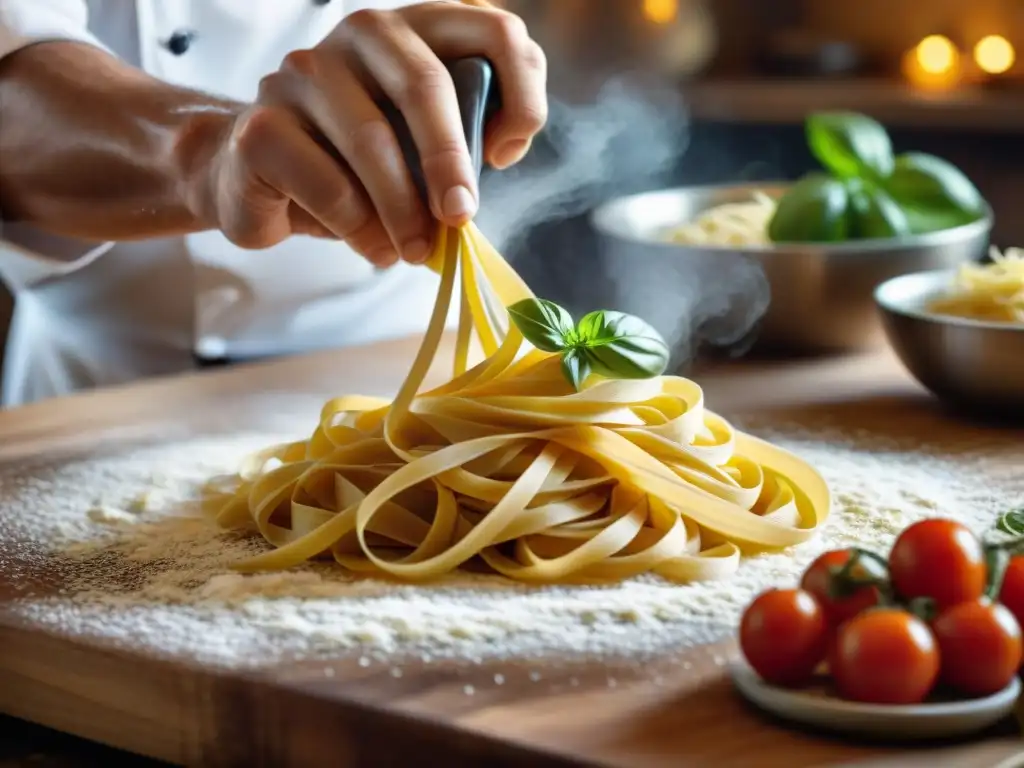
x: 508, y: 468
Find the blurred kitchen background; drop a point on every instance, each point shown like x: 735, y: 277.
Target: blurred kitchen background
x: 688, y: 92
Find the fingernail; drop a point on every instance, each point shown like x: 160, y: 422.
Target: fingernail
x: 458, y: 203
x: 416, y: 251
x: 385, y: 257
x: 510, y: 152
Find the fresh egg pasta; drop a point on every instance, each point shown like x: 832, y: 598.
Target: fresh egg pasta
x: 740, y: 223
x: 991, y: 292
x: 508, y: 466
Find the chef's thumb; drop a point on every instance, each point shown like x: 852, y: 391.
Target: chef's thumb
x: 451, y: 183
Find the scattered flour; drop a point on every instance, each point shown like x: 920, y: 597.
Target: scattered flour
x: 114, y: 548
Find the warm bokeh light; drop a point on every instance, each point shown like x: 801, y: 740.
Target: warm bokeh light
x: 936, y: 54
x: 661, y: 11
x: 929, y: 81
x: 994, y: 54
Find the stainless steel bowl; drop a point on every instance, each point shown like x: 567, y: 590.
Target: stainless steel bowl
x: 969, y: 363
x: 821, y: 295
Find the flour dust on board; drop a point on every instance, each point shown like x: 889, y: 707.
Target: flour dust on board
x: 128, y: 560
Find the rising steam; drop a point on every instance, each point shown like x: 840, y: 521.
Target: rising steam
x: 631, y: 133
x: 631, y: 138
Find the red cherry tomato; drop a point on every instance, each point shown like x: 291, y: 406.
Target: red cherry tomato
x: 783, y: 635
x: 818, y: 580
x: 885, y: 656
x: 940, y: 559
x: 980, y: 645
x: 1011, y: 594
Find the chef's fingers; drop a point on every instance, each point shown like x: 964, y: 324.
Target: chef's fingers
x: 337, y: 105
x: 454, y: 30
x: 414, y: 79
x: 281, y: 153
x: 305, y: 223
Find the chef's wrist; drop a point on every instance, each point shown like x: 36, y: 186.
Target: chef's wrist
x: 197, y: 148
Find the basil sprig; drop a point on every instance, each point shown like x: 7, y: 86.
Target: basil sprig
x: 543, y: 323
x: 867, y: 191
x: 850, y: 145
x: 1012, y: 522
x: 607, y: 343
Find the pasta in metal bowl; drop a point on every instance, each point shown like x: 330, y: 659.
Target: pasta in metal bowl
x: 740, y: 223
x: 991, y: 292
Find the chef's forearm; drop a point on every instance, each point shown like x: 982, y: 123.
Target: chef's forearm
x: 93, y: 148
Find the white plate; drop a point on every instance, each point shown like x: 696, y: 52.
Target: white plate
x: 814, y: 706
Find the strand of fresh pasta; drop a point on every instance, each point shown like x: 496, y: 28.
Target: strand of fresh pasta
x: 739, y: 223
x: 506, y: 464
x: 993, y: 292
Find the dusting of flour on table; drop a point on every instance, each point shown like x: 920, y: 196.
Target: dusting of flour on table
x: 114, y: 548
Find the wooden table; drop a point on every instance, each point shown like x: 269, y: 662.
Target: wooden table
x: 292, y: 714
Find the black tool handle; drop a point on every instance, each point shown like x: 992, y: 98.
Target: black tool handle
x: 478, y: 97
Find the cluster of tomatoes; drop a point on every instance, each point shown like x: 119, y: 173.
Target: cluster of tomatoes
x: 943, y: 609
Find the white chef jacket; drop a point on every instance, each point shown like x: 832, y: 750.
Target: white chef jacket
x: 90, y: 314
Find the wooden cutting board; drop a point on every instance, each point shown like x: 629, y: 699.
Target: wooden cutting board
x: 340, y: 713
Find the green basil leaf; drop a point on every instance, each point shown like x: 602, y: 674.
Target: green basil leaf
x: 874, y: 214
x: 543, y: 323
x: 592, y: 329
x: 627, y: 347
x: 850, y: 144
x: 576, y: 367
x: 814, y: 210
x: 922, y: 222
x: 1012, y: 522
x: 934, y: 193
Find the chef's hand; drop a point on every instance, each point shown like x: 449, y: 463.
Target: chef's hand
x: 315, y: 155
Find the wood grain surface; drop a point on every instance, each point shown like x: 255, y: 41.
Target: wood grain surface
x: 678, y: 711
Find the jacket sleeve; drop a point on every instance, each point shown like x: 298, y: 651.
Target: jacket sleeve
x: 28, y: 255
x: 24, y: 22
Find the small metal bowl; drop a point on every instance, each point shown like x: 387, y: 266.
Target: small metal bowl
x: 821, y: 294
x: 971, y: 364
